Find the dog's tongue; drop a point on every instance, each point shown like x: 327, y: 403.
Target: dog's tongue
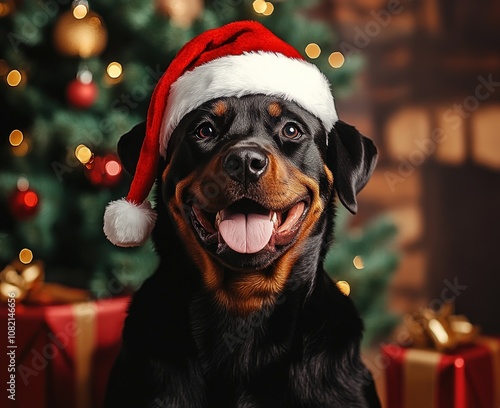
x: 245, y: 233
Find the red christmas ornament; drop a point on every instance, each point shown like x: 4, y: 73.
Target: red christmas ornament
x: 80, y: 94
x: 104, y: 171
x: 24, y: 204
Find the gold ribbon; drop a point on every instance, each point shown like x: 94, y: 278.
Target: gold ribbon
x: 27, y: 284
x: 420, y: 378
x: 85, y: 344
x: 440, y: 330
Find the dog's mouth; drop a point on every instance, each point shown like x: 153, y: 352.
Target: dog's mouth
x: 247, y: 227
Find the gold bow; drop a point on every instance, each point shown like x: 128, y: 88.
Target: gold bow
x: 26, y: 283
x: 441, y: 330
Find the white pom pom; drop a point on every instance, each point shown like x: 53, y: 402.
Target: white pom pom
x: 127, y: 224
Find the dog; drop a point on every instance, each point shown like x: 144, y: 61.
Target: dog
x: 240, y: 312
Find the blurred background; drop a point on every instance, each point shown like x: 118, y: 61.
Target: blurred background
x: 420, y: 77
x: 429, y: 96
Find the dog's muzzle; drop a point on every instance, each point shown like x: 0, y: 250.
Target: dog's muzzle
x: 245, y: 164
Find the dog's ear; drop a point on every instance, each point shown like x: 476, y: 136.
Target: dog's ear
x: 129, y: 147
x: 352, y: 158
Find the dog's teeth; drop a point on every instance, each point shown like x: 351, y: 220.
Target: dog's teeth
x: 275, y: 219
x: 218, y: 219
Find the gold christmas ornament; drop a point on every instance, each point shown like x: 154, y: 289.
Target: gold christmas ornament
x: 84, y: 37
x: 181, y: 12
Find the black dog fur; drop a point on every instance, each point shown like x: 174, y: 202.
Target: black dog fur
x: 182, y: 347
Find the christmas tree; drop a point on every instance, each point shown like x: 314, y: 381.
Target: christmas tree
x: 362, y: 260
x: 74, y: 78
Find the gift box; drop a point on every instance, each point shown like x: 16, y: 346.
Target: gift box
x: 468, y: 377
x: 62, y: 354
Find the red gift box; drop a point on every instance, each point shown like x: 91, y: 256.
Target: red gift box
x: 63, y: 353
x: 469, y: 377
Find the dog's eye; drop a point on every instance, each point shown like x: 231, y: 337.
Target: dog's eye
x: 291, y: 131
x: 205, y: 130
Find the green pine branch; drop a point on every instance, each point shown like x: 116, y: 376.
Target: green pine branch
x: 373, y: 243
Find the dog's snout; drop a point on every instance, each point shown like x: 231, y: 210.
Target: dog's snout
x: 245, y: 164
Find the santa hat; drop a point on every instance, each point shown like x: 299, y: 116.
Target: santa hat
x: 241, y: 58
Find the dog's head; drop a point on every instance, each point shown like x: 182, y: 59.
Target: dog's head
x: 249, y: 184
x: 252, y: 153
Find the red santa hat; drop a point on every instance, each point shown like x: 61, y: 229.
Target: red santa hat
x: 241, y: 58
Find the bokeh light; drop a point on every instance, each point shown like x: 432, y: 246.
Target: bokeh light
x: 113, y: 168
x: 269, y: 9
x: 358, y: 262
x: 114, y: 69
x: 259, y: 6
x: 336, y: 59
x: 23, y: 184
x: 80, y: 11
x: 83, y: 154
x: 313, y: 50
x: 25, y: 256
x: 344, y: 287
x: 16, y: 137
x: 14, y: 78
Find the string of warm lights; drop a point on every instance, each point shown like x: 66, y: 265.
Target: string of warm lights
x: 26, y: 256
x: 114, y: 70
x: 101, y: 171
x: 16, y: 137
x: 335, y: 59
x: 23, y: 184
x: 343, y: 285
x: 358, y: 262
x: 80, y: 9
x: 83, y: 154
x: 18, y: 142
x: 14, y: 78
x: 266, y: 8
x: 313, y: 50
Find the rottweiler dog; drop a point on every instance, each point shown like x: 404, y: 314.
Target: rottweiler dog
x: 240, y: 312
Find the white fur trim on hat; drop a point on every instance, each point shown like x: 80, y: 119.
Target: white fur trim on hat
x: 251, y: 73
x: 127, y: 224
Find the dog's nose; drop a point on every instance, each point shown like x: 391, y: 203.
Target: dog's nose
x: 245, y: 164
